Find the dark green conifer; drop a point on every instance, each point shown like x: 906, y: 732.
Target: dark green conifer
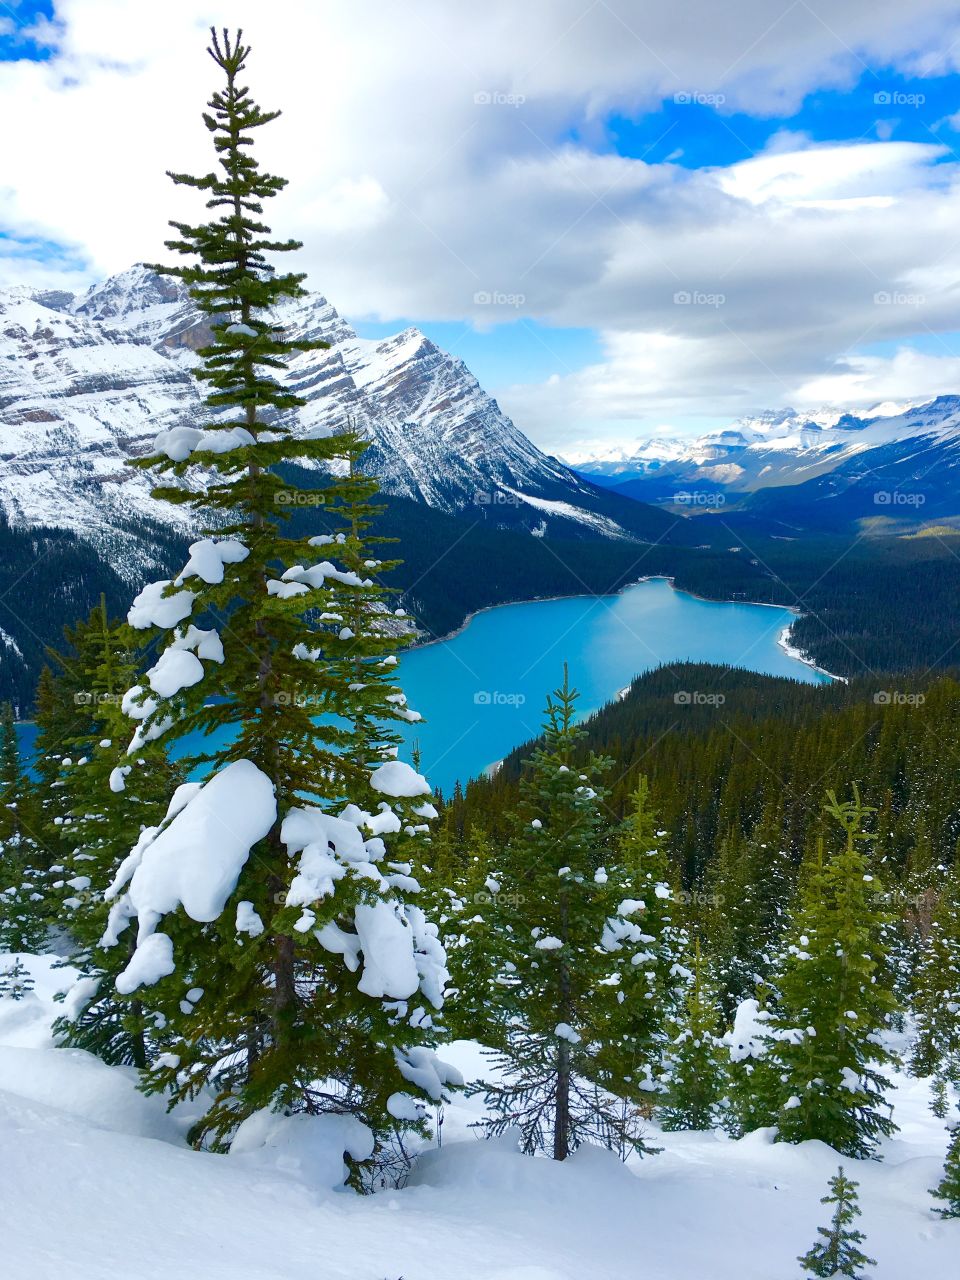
x: 838, y: 1252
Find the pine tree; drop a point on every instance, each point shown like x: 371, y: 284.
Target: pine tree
x: 109, y: 795
x: 16, y: 981
x: 835, y: 1001
x: 936, y: 1049
x: 10, y: 775
x: 474, y: 946
x: 839, y: 1253
x: 23, y: 913
x: 295, y: 969
x: 751, y: 885
x: 752, y: 1078
x: 695, y: 1075
x: 565, y: 921
x: 948, y: 1189
x: 652, y: 990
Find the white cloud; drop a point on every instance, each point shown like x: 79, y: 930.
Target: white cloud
x: 412, y: 195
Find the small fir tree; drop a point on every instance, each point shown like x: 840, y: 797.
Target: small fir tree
x: 565, y: 919
x: 835, y: 1001
x: 948, y: 1189
x: 695, y: 1076
x: 16, y: 981
x: 110, y: 796
x: 23, y: 906
x: 936, y: 1049
x: 838, y: 1252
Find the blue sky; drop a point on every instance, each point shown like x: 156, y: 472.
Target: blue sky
x: 18, y: 24
x: 627, y: 219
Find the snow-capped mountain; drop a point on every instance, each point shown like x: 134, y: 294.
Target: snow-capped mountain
x: 783, y: 459
x: 88, y: 382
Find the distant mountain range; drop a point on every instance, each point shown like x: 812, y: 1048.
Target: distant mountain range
x: 88, y: 382
x: 899, y: 465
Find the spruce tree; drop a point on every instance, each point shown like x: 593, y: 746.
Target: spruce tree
x: 566, y: 924
x: 835, y: 1001
x: 110, y: 797
x: 294, y: 969
x: 948, y: 1189
x: 695, y: 1076
x: 10, y: 775
x: 16, y: 981
x: 23, y: 908
x: 652, y: 990
x: 753, y: 1080
x: 838, y: 1252
x: 936, y: 1049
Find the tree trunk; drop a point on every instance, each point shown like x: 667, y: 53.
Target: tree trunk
x: 561, y: 1128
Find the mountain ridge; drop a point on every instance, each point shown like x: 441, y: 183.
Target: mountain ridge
x: 89, y: 381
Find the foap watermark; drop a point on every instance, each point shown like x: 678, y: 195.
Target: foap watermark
x: 94, y: 698
x: 698, y: 298
x: 898, y: 498
x: 897, y: 698
x: 497, y: 98
x: 699, y: 898
x: 495, y: 498
x: 697, y: 698
x: 484, y: 897
x: 896, y: 98
x: 498, y: 298
x: 898, y: 298
x: 494, y: 698
x: 686, y: 498
x: 299, y: 498
x: 696, y: 99
x: 294, y: 698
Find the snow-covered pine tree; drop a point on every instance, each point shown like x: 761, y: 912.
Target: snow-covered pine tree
x: 109, y: 795
x: 948, y: 1189
x: 695, y: 1065
x: 835, y: 1001
x: 23, y: 911
x: 565, y: 913
x: 838, y: 1252
x: 652, y: 989
x: 294, y: 969
x: 936, y: 1049
x: 10, y: 774
x: 751, y: 884
x: 63, y: 707
x: 467, y: 910
x: 753, y: 1083
x: 16, y: 981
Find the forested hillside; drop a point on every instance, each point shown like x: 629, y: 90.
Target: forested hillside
x: 730, y: 754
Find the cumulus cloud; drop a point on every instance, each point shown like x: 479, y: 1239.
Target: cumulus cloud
x: 428, y: 148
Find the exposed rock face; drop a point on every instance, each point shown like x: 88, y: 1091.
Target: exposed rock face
x: 88, y: 382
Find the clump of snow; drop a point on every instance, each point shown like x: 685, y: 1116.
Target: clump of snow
x: 174, y: 670
x: 152, y: 960
x: 153, y: 608
x: 396, y: 778
x: 193, y: 862
x: 208, y: 558
x: 180, y: 442
x: 308, y: 1148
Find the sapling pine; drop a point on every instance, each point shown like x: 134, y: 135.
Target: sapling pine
x: 838, y: 1252
x: 835, y: 1000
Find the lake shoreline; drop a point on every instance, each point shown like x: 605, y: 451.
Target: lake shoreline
x: 782, y: 639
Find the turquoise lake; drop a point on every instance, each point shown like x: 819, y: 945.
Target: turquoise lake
x: 482, y: 691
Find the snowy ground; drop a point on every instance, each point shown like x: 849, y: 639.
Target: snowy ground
x: 97, y: 1182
